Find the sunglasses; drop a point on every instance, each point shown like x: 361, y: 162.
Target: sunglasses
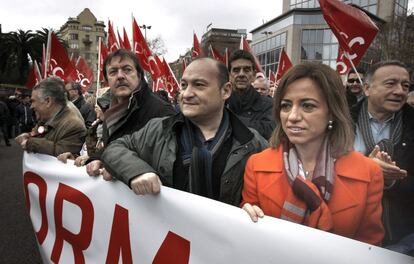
x: 353, y: 80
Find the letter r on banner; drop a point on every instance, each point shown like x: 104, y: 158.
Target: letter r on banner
x: 79, y: 241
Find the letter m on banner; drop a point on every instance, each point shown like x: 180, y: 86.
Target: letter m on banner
x: 352, y: 27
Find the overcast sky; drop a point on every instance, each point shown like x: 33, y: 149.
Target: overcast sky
x: 174, y: 21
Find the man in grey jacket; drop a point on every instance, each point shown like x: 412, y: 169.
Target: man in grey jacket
x: 202, y: 150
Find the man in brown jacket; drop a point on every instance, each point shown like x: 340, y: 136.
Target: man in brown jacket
x: 60, y: 126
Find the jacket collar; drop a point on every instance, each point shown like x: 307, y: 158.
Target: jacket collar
x: 240, y: 132
x: 347, y: 166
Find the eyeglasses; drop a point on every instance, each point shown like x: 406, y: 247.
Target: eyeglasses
x: 353, y: 80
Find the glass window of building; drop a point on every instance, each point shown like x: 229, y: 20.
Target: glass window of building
x: 73, y: 36
x: 319, y: 45
x: 268, y: 50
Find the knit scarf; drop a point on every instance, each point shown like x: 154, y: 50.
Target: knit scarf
x: 200, y: 156
x: 385, y: 144
x: 116, y: 111
x: 306, y: 201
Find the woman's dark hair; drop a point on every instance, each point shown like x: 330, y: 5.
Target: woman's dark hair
x: 341, y: 136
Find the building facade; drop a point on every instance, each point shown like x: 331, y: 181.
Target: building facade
x: 82, y: 34
x: 303, y: 32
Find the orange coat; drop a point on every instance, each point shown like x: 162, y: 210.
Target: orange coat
x: 355, y: 203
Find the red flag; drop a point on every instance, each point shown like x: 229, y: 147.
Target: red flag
x: 284, y: 64
x: 352, y: 27
x: 343, y: 65
x: 59, y: 63
x: 196, y: 48
x: 84, y: 74
x: 216, y: 54
x: 158, y: 85
x: 121, y: 42
x: 244, y: 45
x: 143, y: 52
x: 102, y: 56
x: 171, y: 83
x: 113, y: 44
x: 127, y: 44
x: 34, y: 76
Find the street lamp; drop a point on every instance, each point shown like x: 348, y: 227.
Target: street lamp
x: 145, y: 27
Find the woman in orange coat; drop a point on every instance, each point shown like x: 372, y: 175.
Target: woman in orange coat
x: 311, y: 175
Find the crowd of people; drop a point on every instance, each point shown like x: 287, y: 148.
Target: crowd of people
x: 310, y: 150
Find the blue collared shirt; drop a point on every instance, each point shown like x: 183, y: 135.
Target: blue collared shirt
x: 379, y: 131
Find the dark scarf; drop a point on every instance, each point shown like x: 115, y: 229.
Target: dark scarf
x: 385, y: 144
x: 306, y: 201
x: 117, y: 111
x: 241, y: 100
x: 199, y: 156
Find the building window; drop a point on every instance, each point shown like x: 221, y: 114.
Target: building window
x: 319, y: 45
x: 401, y: 7
x: 86, y: 28
x: 368, y: 5
x: 73, y: 36
x: 74, y: 45
x: 303, y: 4
x: 268, y: 51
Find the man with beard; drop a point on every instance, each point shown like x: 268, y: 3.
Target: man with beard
x: 254, y: 110
x: 131, y: 103
x: 202, y: 150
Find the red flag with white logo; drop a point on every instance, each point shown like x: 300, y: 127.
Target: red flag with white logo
x: 284, y: 64
x: 143, y: 52
x: 113, y: 44
x: 196, y: 47
x: 84, y: 74
x: 127, y: 44
x: 244, y: 45
x: 59, y: 64
x: 170, y: 82
x: 352, y: 27
x: 343, y: 65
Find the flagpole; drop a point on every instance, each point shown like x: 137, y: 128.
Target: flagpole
x: 47, y: 55
x: 353, y: 67
x: 98, y: 72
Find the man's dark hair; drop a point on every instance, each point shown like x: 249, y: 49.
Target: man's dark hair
x: 123, y: 53
x: 52, y: 87
x: 360, y: 70
x: 241, y: 54
x: 376, y: 66
x: 76, y: 86
x: 223, y: 74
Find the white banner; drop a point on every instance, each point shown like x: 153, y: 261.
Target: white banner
x: 81, y: 219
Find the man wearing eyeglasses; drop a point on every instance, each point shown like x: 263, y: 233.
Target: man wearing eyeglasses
x: 354, y: 89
